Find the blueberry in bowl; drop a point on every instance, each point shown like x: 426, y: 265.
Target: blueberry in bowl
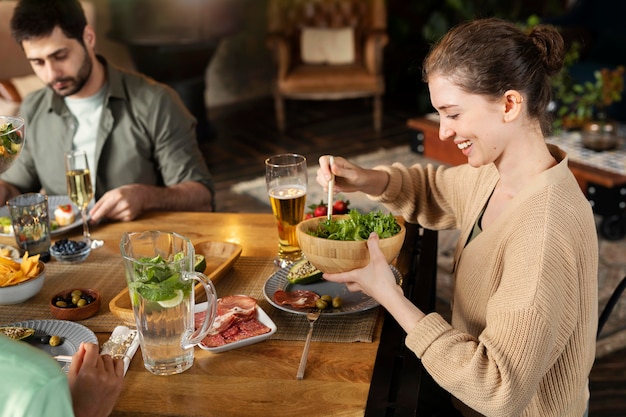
x: 72, y: 251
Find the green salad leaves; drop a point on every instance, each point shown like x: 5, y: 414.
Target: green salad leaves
x: 357, y: 226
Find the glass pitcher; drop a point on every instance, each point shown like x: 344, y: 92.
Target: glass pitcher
x: 160, y: 275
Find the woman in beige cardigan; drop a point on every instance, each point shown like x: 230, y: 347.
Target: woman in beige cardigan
x: 524, y: 313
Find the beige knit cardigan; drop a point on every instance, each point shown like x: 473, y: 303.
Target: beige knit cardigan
x: 524, y: 313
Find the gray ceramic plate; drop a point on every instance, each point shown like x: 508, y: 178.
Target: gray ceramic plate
x: 353, y: 302
x: 71, y: 333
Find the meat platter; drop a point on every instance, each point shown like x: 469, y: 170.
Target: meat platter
x: 263, y: 320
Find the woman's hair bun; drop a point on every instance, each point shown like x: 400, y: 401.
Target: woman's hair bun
x: 550, y: 44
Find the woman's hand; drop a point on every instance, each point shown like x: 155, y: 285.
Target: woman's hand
x: 350, y: 177
x: 377, y: 281
x: 95, y: 381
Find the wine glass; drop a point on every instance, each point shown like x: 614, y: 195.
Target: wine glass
x: 79, y: 186
x: 286, y: 179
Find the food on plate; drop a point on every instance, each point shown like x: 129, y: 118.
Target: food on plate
x: 12, y: 272
x: 23, y: 333
x: 357, y: 226
x: 5, y: 225
x: 303, y: 272
x: 55, y: 341
x: 9, y: 251
x: 67, y: 247
x: 64, y: 215
x: 296, y: 298
x: 236, y: 320
x: 17, y: 333
x: 199, y: 263
x: 326, y: 301
x: 74, y: 299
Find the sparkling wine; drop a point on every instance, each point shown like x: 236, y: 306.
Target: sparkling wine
x: 79, y: 187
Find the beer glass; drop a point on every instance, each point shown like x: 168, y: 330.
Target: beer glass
x: 286, y: 179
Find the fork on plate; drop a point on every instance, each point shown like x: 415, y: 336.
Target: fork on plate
x: 312, y: 317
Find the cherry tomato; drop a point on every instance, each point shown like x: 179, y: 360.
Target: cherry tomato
x: 320, y: 211
x: 66, y: 208
x: 340, y: 207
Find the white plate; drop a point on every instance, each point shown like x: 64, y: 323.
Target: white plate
x: 353, y: 302
x: 71, y: 333
x: 53, y: 202
x: 261, y: 316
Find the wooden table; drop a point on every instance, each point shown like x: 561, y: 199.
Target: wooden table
x: 258, y: 380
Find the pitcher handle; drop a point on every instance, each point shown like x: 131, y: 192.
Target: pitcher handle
x: 211, y: 310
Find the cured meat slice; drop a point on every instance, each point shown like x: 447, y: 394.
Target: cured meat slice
x: 296, y: 298
x: 230, y: 309
x: 242, y: 305
x: 236, y: 320
x: 238, y: 331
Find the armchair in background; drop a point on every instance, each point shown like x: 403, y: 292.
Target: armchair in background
x: 328, y: 50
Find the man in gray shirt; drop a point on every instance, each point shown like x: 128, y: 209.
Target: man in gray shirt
x: 139, y: 137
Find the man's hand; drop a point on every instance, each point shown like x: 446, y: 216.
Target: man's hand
x: 95, y: 381
x: 127, y: 202
x: 123, y: 203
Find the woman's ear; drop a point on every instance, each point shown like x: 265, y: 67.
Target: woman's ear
x: 513, y: 103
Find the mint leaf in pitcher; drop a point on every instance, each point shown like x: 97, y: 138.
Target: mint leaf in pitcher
x: 156, y: 280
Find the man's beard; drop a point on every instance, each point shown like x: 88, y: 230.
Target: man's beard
x: 75, y: 84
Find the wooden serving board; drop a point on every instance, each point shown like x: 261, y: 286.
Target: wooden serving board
x: 220, y: 257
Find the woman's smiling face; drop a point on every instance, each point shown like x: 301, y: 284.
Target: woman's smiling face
x: 472, y: 121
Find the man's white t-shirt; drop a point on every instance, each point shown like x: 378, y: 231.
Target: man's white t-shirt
x: 87, y: 112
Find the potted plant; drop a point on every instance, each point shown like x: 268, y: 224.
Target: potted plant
x: 581, y: 103
x: 583, y: 106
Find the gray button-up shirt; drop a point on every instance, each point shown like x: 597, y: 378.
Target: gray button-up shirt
x: 146, y: 135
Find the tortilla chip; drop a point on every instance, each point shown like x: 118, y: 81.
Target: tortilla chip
x: 12, y: 272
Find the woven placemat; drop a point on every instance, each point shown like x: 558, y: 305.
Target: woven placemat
x: 248, y: 277
x: 106, y: 274
x: 100, y: 272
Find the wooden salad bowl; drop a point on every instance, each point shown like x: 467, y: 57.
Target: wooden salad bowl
x: 335, y: 256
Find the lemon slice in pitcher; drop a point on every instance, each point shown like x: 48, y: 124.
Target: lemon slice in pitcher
x: 172, y: 302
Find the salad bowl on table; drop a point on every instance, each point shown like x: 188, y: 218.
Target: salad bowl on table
x: 334, y: 256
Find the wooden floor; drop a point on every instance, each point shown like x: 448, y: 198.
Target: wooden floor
x: 245, y: 134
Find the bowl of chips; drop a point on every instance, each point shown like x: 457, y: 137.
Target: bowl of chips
x: 20, y: 281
